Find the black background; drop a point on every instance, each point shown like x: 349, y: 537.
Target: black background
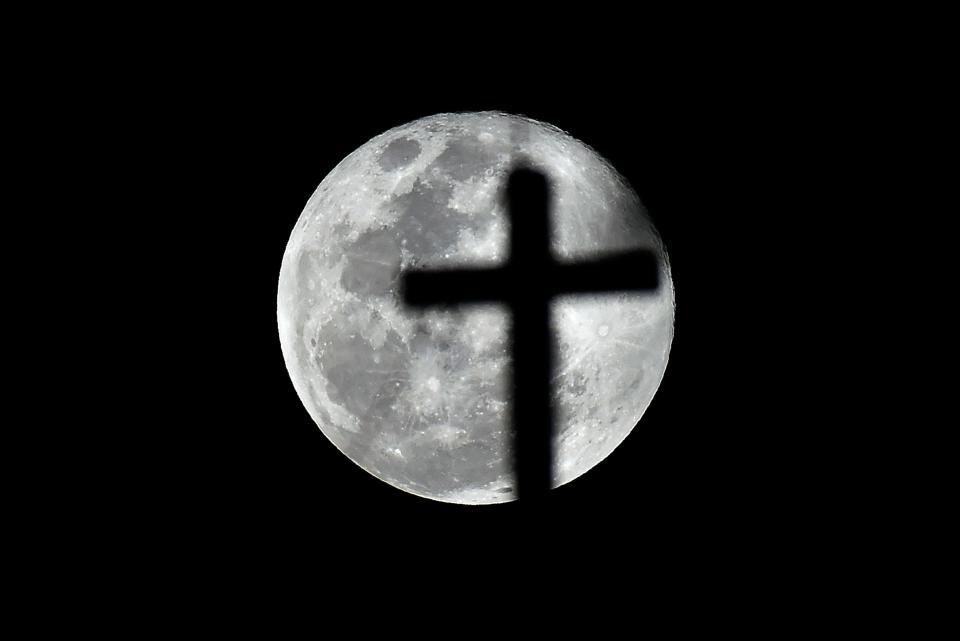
x: 190, y: 462
x: 707, y: 472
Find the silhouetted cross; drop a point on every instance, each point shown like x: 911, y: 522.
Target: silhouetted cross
x: 526, y: 283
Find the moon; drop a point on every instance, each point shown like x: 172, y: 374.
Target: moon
x: 420, y: 399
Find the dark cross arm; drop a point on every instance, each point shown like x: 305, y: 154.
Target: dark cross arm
x: 624, y: 272
x: 454, y: 286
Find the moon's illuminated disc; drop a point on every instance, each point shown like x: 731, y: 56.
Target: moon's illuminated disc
x: 419, y: 399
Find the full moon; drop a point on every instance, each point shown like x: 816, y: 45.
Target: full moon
x: 420, y: 399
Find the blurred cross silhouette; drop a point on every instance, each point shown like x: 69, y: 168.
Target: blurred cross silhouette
x: 527, y: 282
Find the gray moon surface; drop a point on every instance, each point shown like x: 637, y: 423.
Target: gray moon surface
x: 420, y: 399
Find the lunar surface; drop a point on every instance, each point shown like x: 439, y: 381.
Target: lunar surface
x: 420, y: 399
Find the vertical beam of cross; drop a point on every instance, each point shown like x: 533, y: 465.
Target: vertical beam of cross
x: 530, y: 340
x: 527, y: 282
